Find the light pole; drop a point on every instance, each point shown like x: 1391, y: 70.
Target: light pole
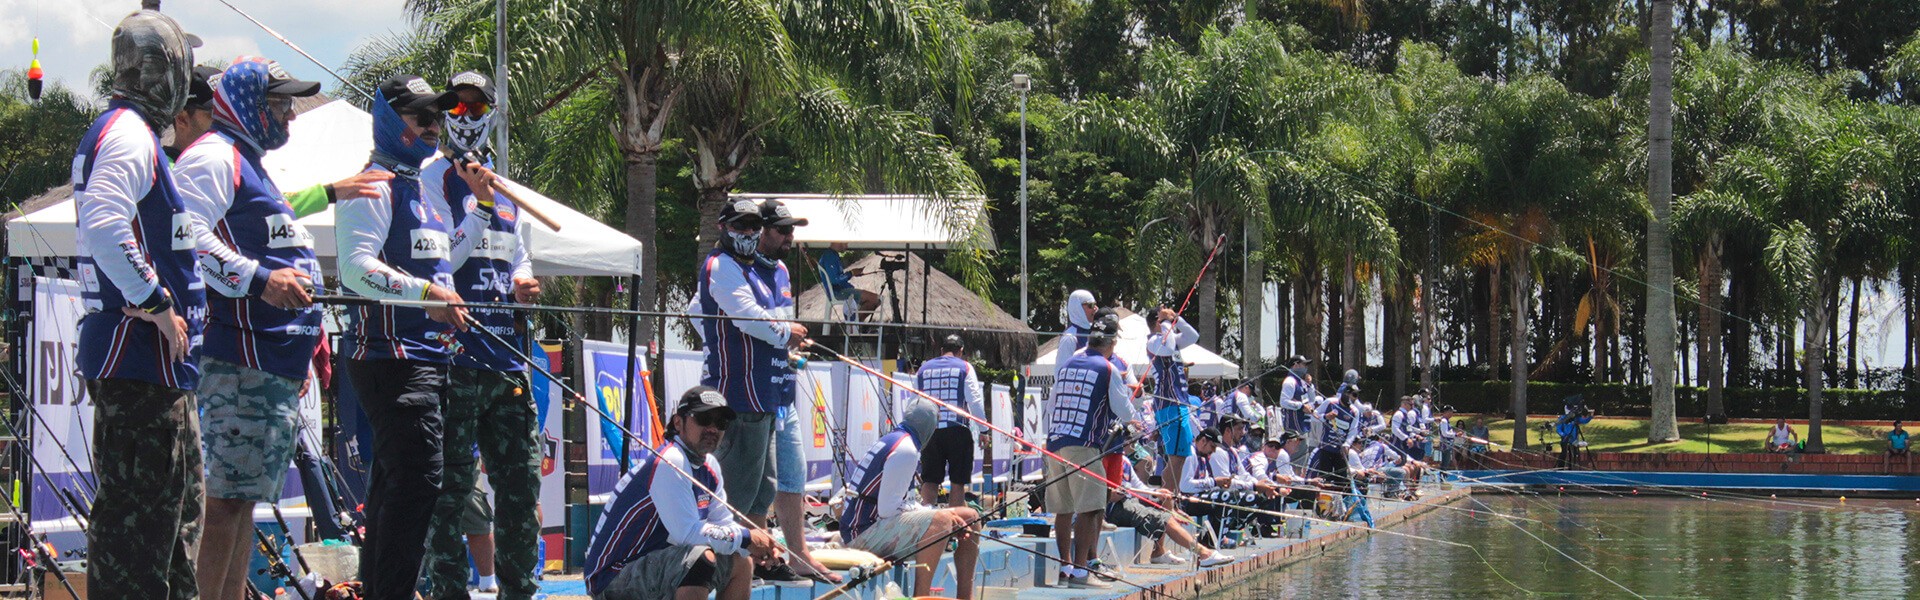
x: 1022, y: 84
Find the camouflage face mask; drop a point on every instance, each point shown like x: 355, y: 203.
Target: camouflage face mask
x: 152, y: 65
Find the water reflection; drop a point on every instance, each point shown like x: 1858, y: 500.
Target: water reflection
x: 1721, y: 547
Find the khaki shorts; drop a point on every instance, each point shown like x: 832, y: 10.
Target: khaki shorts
x: 895, y: 537
x: 1079, y: 492
x: 659, y: 573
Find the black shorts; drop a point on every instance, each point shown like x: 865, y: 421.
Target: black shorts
x: 948, y: 457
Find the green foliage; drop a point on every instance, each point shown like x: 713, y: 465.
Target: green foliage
x: 37, y: 138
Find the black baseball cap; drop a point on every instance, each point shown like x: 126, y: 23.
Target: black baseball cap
x: 703, y: 399
x: 281, y: 82
x: 411, y: 94
x: 776, y: 214
x: 200, y: 89
x: 1210, y: 434
x: 740, y: 209
x: 1297, y: 360
x: 1286, y: 436
x: 474, y: 80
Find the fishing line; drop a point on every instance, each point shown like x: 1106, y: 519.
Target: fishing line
x: 1108, y: 575
x: 1564, y: 554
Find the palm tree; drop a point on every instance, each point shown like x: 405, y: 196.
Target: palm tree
x: 1660, y: 320
x: 1199, y: 127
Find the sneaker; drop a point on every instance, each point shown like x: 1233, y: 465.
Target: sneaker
x: 1168, y: 559
x: 1087, y: 583
x: 1217, y: 559
x: 781, y: 575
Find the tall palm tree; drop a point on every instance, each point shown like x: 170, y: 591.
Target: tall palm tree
x: 1660, y: 322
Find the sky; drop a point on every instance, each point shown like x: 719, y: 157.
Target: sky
x: 75, y: 34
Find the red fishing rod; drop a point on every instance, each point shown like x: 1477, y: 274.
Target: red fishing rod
x: 1217, y: 245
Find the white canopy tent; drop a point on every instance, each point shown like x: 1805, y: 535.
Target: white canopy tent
x: 332, y: 142
x: 883, y: 221
x: 1132, y: 348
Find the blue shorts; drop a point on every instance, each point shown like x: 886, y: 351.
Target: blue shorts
x: 1176, y: 430
x: 789, y: 465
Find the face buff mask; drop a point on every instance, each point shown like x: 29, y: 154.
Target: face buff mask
x: 152, y: 65
x: 745, y: 244
x: 242, y: 94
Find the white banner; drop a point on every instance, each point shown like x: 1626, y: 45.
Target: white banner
x: 1033, y: 416
x: 814, y: 392
x: 60, y: 399
x: 863, y: 412
x: 682, y: 370
x: 1001, y: 410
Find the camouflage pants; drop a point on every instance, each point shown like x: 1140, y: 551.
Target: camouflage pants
x: 145, y: 525
x: 493, y: 411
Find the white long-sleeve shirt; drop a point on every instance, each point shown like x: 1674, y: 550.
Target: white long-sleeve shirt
x: 1279, y: 469
x: 1294, y: 395
x: 123, y: 170
x: 1194, y: 478
x: 728, y: 283
x: 1172, y: 337
x: 898, y: 494
x: 360, y: 229
x: 205, y: 176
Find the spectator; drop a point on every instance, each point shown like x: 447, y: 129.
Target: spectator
x: 1897, y: 441
x: 1782, y: 439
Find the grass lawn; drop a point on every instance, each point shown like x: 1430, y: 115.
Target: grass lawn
x: 1630, y: 435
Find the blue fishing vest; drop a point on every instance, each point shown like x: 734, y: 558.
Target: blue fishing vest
x: 419, y: 243
x: 945, y: 378
x: 863, y: 509
x: 1081, y: 415
x: 116, y: 346
x: 1296, y: 418
x: 753, y: 375
x: 261, y: 225
x: 1170, y: 381
x: 630, y: 527
x: 1340, y: 423
x: 487, y: 276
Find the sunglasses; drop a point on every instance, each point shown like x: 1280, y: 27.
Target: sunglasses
x: 786, y: 230
x: 277, y: 104
x: 425, y: 119
x: 742, y: 225
x: 709, y: 419
x: 475, y: 109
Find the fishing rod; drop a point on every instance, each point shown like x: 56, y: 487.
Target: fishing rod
x: 1151, y: 590
x: 1217, y: 245
x: 862, y: 576
x: 39, y: 545
x: 569, y: 391
x: 988, y: 424
x: 276, y: 565
x: 1476, y: 551
x: 628, y: 312
x: 296, y: 48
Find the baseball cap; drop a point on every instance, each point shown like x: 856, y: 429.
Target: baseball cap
x: 280, y: 82
x: 776, y: 214
x: 1210, y: 434
x: 411, y: 94
x: 1286, y: 436
x: 740, y: 209
x: 703, y: 399
x: 472, y: 79
x: 1297, y: 360
x: 200, y: 89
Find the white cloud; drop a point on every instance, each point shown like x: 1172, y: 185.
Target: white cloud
x: 75, y: 34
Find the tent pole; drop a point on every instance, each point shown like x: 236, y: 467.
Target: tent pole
x: 633, y: 360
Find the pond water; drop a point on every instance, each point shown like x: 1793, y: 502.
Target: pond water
x: 1722, y: 547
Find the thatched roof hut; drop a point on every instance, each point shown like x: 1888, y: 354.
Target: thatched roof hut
x: 936, y: 299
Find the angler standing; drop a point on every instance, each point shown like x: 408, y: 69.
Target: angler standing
x: 397, y: 246
x: 747, y: 361
x: 1172, y: 334
x: 488, y: 404
x: 949, y: 452
x: 1077, y: 316
x: 1090, y: 395
x: 145, y: 308
x: 262, y: 327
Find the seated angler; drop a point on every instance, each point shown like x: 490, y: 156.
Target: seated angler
x: 1385, y: 464
x: 1212, y: 480
x: 1274, y: 462
x: 1125, y: 510
x: 884, y: 516
x: 666, y: 536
